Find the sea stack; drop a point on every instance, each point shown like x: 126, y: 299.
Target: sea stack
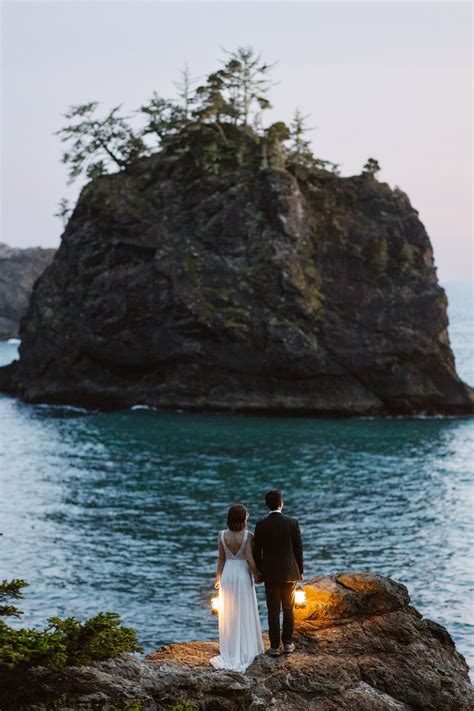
x: 249, y: 288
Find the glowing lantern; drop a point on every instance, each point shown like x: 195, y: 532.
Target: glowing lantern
x: 300, y: 597
x: 215, y: 603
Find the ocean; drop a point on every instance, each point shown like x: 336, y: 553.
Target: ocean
x: 120, y: 510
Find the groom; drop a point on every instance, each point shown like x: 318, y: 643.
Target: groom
x: 278, y: 553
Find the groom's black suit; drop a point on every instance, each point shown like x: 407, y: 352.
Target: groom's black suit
x: 278, y: 554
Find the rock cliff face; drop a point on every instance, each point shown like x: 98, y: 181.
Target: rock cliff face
x: 251, y: 290
x: 360, y: 645
x: 19, y: 269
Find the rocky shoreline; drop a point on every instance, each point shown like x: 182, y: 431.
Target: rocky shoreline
x: 360, y: 645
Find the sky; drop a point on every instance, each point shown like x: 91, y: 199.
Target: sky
x: 389, y: 80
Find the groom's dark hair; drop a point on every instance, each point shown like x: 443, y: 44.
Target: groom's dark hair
x: 274, y: 499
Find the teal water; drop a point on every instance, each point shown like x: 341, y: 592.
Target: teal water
x: 120, y: 511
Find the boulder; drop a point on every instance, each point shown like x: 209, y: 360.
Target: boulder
x: 359, y: 645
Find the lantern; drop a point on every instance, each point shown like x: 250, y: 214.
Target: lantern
x: 300, y: 597
x: 215, y: 603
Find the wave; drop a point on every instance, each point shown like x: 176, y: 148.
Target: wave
x: 152, y: 408
x: 64, y: 408
x: 14, y: 341
x: 408, y: 417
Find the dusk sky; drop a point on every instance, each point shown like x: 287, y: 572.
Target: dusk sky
x: 389, y: 80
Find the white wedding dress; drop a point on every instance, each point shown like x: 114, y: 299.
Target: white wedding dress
x: 240, y: 633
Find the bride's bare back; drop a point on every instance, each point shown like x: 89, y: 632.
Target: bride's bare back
x: 234, y: 539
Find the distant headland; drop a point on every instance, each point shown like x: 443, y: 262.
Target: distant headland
x: 19, y: 269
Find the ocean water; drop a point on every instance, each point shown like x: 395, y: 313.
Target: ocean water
x: 120, y: 511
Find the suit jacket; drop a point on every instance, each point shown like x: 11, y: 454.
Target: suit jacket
x: 278, y: 548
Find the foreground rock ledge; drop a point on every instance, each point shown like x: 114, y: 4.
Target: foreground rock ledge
x: 360, y: 645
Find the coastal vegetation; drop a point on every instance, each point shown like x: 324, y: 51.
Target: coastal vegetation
x: 64, y: 642
x: 207, y: 126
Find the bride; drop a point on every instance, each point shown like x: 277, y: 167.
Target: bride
x: 240, y: 634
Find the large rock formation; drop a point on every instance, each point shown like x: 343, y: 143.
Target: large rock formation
x: 360, y: 646
x: 252, y: 290
x: 19, y: 269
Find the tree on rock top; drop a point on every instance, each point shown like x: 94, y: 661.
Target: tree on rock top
x: 246, y: 81
x: 235, y: 96
x: 97, y: 143
x: 371, y: 167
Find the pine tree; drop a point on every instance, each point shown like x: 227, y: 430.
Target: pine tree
x: 64, y: 210
x: 164, y: 118
x: 245, y: 79
x: 211, y: 104
x: 97, y: 144
x: 371, y: 167
x: 184, y: 87
x: 300, y: 148
x: 11, y: 589
x: 196, y: 127
x: 63, y: 642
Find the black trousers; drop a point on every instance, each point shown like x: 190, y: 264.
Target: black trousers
x: 280, y: 595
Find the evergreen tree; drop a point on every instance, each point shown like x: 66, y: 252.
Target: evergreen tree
x: 371, y: 167
x: 184, y: 87
x: 164, y: 118
x: 300, y: 149
x: 64, y: 210
x: 96, y: 144
x: 245, y: 79
x: 196, y: 127
x: 63, y: 642
x: 11, y: 589
x: 211, y: 103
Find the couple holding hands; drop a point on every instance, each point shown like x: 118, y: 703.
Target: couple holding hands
x: 272, y: 555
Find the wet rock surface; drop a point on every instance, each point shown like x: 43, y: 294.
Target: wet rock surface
x: 256, y: 291
x: 360, y: 645
x: 19, y: 269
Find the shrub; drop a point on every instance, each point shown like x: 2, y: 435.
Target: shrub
x: 64, y: 642
x: 100, y: 637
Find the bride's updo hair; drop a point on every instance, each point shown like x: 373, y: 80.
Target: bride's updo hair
x: 237, y: 517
